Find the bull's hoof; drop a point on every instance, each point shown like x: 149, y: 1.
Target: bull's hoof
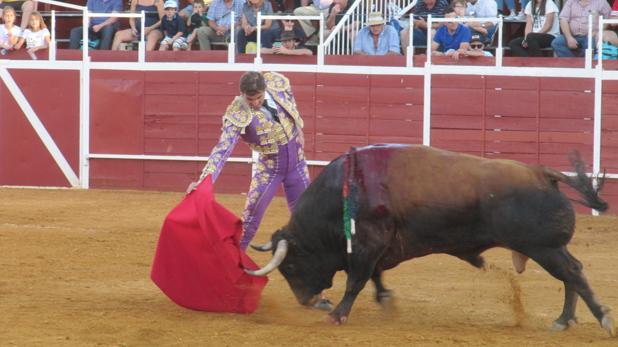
x: 324, y: 305
x: 337, y: 319
x: 384, y: 297
x: 562, y: 325
x: 608, y: 322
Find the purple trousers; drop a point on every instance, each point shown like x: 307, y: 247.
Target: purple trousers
x: 288, y: 166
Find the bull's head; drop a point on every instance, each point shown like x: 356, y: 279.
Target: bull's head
x: 307, y: 273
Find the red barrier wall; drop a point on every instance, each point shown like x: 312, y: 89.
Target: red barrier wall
x: 54, y: 97
x: 535, y: 120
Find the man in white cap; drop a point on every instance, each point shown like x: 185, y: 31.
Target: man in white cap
x: 173, y: 27
x: 377, y: 38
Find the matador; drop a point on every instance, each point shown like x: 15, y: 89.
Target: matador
x: 265, y: 116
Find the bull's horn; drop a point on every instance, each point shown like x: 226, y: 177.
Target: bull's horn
x: 282, y: 250
x: 263, y: 248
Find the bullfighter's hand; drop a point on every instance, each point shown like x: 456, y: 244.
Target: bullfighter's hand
x: 192, y: 187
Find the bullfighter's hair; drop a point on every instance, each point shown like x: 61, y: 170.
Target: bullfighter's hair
x: 252, y: 82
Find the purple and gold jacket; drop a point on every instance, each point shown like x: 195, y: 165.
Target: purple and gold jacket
x: 259, y: 130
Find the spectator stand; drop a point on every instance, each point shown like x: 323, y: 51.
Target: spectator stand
x: 427, y: 71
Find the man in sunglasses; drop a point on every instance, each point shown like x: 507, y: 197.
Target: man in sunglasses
x: 477, y: 48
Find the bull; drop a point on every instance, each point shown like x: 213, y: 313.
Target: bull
x: 413, y: 201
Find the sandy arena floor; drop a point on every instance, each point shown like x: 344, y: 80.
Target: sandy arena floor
x: 75, y: 265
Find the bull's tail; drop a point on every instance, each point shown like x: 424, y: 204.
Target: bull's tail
x: 581, y: 183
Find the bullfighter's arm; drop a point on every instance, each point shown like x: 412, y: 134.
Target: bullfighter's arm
x: 223, y: 149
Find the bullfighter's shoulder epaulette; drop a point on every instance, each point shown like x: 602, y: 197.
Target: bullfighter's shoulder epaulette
x: 238, y: 113
x: 276, y: 81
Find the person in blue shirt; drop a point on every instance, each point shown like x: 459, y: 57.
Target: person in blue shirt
x: 377, y: 38
x: 451, y: 39
x: 100, y: 28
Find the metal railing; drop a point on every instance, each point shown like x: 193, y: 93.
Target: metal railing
x: 340, y: 40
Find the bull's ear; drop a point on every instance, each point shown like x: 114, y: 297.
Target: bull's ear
x: 268, y: 246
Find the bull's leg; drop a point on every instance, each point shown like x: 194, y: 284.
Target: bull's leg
x: 368, y: 245
x: 567, y: 318
x: 382, y: 294
x: 359, y: 272
x: 562, y: 265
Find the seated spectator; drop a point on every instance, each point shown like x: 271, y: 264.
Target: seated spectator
x: 451, y: 39
x: 510, y: 4
x: 219, y: 22
x: 574, y: 24
x: 482, y: 9
x: 289, y: 45
x: 186, y: 12
x: 26, y: 6
x: 521, y: 14
x: 476, y: 48
x: 248, y: 31
x: 153, y: 11
x: 9, y: 32
x: 36, y: 36
x: 275, y: 32
x: 541, y: 29
x: 423, y: 8
x: 460, y: 7
x: 101, y: 29
x: 197, y: 20
x: 377, y: 38
x: 312, y: 9
x: 336, y: 12
x: 610, y: 34
x: 173, y: 28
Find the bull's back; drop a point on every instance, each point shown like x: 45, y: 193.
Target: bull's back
x: 454, y: 202
x: 430, y: 177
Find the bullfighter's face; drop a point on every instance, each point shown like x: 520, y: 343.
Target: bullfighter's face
x: 255, y: 101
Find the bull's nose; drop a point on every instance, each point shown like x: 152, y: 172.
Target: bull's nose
x: 312, y: 300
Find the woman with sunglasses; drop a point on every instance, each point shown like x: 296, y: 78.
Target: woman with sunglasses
x: 542, y: 26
